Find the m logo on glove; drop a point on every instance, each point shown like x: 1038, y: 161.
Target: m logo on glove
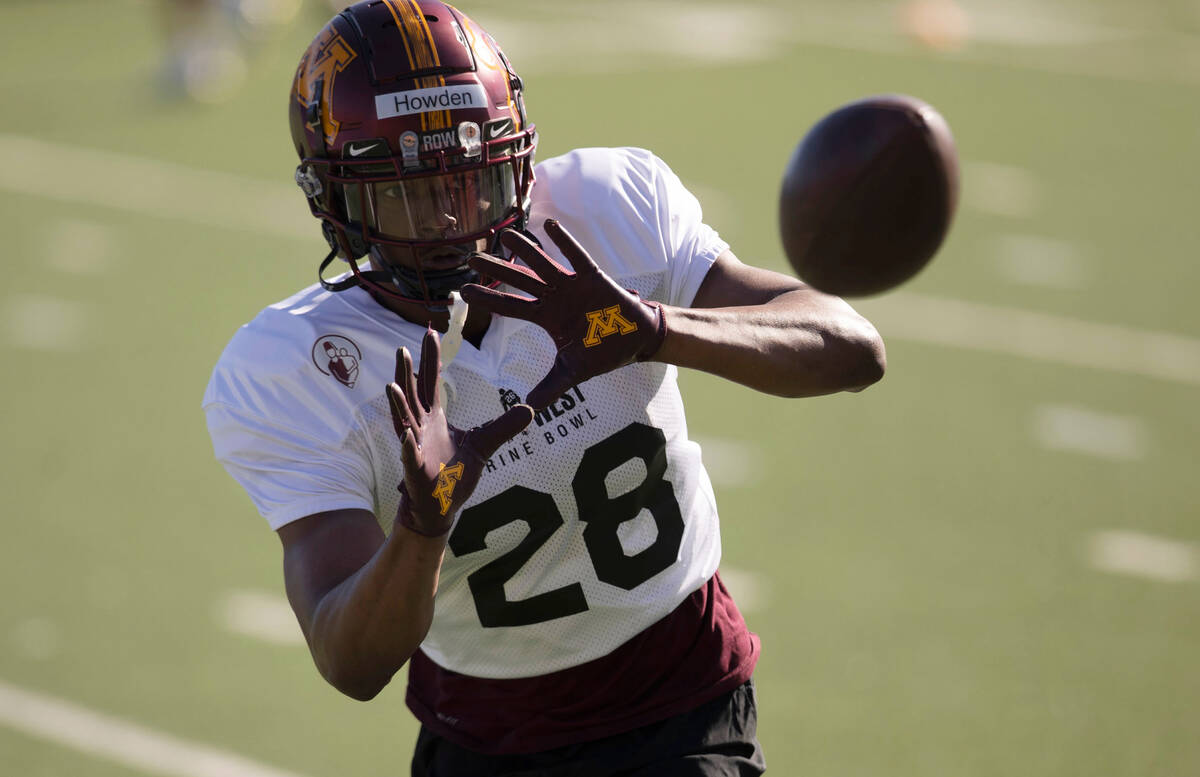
x: 605, y: 322
x: 448, y: 477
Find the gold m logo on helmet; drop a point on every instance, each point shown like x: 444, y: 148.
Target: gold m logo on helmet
x: 327, y: 56
x: 605, y: 322
x: 448, y: 477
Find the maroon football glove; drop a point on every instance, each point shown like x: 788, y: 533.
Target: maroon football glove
x: 442, y: 464
x: 597, y: 325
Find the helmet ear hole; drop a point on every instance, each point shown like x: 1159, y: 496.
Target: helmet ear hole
x: 330, y: 234
x: 348, y: 243
x: 358, y: 246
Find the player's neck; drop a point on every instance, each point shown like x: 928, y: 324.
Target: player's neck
x: 474, y: 329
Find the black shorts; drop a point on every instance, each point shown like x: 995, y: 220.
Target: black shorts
x: 717, y: 739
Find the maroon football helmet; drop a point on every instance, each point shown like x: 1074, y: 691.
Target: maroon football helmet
x: 414, y: 145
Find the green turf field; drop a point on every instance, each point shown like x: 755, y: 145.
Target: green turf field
x: 934, y: 566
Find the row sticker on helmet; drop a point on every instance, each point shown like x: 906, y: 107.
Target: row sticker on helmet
x: 439, y: 140
x: 467, y: 138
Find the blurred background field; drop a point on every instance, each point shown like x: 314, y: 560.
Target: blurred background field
x: 988, y: 564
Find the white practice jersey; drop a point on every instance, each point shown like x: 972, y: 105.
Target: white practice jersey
x: 585, y: 529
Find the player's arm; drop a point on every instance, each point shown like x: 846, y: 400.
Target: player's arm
x: 365, y: 602
x: 772, y: 333
x: 750, y: 325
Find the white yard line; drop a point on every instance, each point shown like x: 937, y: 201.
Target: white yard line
x: 167, y: 190
x: 41, y: 323
x: 37, y: 638
x: 625, y: 36
x: 263, y: 616
x: 1000, y: 190
x: 1039, y: 336
x: 111, y: 738
x: 152, y: 187
x: 750, y: 590
x: 1143, y: 555
x: 1080, y: 430
x: 79, y: 247
x: 731, y: 462
x: 628, y: 36
x: 1034, y: 260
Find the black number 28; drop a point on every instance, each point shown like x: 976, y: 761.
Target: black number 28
x: 603, y: 517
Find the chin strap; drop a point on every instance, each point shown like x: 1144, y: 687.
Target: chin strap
x: 430, y: 285
x: 438, y: 283
x: 373, y: 276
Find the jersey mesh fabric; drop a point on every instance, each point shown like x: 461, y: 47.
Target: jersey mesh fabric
x: 547, y: 459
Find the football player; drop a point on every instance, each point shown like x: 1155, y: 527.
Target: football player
x: 547, y: 569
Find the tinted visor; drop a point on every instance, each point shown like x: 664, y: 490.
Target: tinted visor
x: 442, y: 207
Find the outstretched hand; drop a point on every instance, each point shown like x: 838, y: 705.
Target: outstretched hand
x: 596, y: 325
x: 442, y: 463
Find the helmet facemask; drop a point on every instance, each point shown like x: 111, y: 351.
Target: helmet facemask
x: 420, y: 223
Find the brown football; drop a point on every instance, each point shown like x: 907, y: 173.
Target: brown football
x: 868, y: 195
